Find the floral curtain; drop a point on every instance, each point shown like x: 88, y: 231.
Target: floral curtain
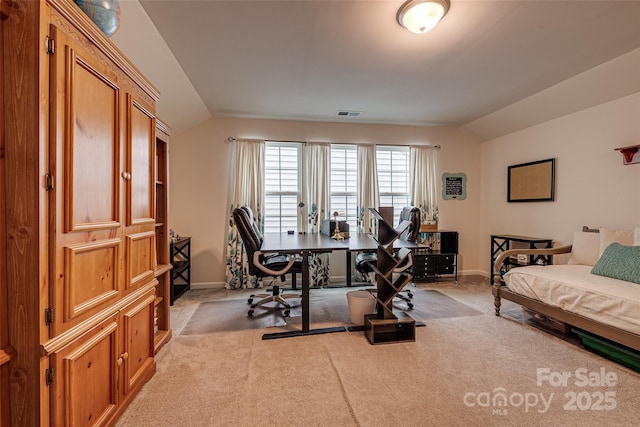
x: 316, y: 196
x: 424, y: 184
x: 368, y: 196
x: 246, y: 178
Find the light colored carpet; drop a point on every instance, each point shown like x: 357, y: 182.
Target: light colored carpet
x: 448, y: 377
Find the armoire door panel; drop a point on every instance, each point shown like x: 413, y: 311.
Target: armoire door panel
x: 140, y: 155
x: 137, y: 328
x: 91, y: 276
x: 91, y: 146
x: 140, y: 255
x: 85, y: 199
x: 86, y: 384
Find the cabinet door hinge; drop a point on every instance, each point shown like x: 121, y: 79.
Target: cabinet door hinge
x: 48, y: 315
x: 49, y: 376
x: 50, y: 45
x: 49, y: 182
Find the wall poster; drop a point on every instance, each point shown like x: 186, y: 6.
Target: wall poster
x: 531, y: 182
x: 454, y: 186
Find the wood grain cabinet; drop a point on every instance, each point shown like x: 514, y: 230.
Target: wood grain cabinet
x: 82, y: 249
x: 97, y: 371
x: 162, y: 327
x: 6, y: 350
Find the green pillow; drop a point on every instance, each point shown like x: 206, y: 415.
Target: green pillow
x: 619, y: 262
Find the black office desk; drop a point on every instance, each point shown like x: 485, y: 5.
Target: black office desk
x: 304, y: 245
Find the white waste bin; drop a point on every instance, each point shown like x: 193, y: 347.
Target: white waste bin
x: 360, y: 303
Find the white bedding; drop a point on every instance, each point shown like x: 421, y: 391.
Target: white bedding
x: 573, y: 288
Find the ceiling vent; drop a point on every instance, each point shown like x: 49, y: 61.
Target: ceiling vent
x: 345, y: 113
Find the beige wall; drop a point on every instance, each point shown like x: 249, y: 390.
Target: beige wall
x: 593, y: 187
x: 199, y: 161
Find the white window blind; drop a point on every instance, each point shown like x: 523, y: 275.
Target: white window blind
x: 393, y: 178
x: 282, y: 186
x: 344, y: 186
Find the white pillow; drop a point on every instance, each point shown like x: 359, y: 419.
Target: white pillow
x: 636, y: 237
x: 609, y: 236
x: 585, y: 249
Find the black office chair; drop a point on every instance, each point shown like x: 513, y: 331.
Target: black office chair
x: 265, y: 265
x: 410, y: 222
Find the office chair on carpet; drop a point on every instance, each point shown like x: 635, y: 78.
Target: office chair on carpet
x: 410, y: 222
x: 265, y: 265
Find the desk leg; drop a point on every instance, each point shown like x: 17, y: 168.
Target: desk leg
x: 348, y: 268
x: 305, y: 310
x: 305, y: 291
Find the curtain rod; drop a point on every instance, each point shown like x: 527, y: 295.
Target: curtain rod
x: 233, y: 139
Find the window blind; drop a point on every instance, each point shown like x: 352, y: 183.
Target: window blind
x: 393, y: 178
x: 282, y: 186
x: 344, y: 170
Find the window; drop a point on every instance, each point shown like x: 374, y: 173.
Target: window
x: 283, y: 182
x: 393, y: 178
x: 344, y: 185
x: 282, y: 186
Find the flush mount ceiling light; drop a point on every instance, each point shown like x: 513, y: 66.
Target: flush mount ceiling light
x: 419, y: 16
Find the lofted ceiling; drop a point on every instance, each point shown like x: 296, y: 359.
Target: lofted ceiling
x: 308, y: 60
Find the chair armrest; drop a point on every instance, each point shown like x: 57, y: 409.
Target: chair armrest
x: 408, y: 264
x: 258, y: 264
x: 525, y: 251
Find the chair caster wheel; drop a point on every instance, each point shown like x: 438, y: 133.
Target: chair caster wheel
x: 410, y: 306
x: 409, y: 294
x: 287, y: 313
x: 250, y: 301
x: 250, y: 313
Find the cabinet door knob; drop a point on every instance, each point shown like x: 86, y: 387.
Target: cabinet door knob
x: 126, y: 176
x: 119, y: 361
x: 125, y: 355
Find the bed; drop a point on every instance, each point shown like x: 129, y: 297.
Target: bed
x: 602, y: 306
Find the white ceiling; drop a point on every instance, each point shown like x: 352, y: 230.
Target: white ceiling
x: 309, y: 59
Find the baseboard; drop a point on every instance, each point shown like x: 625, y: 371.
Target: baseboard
x: 474, y: 273
x: 208, y: 285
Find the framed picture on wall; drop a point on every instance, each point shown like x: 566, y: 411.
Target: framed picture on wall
x: 454, y: 186
x: 532, y: 182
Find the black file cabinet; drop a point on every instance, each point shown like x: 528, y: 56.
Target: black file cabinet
x: 439, y: 259
x: 181, y: 262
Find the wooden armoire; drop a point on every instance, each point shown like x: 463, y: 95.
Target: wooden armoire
x: 84, y: 259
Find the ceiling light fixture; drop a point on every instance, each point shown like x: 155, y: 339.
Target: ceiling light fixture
x: 420, y: 16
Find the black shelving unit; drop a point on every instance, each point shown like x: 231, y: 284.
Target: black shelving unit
x: 181, y: 262
x: 386, y: 326
x: 439, y: 259
x: 504, y: 242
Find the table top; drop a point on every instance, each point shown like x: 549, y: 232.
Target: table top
x: 361, y: 242
x: 520, y: 238
x: 294, y: 243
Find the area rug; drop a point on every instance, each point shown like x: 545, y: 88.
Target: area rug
x: 327, y: 307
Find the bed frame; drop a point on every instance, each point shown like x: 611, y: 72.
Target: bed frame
x: 499, y: 290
